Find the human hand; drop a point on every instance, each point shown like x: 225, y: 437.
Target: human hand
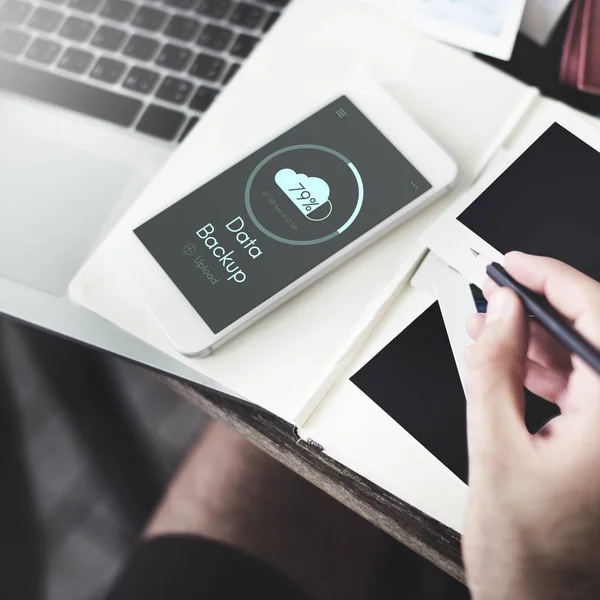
x: 533, y: 523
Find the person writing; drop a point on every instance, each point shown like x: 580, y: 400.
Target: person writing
x: 533, y: 523
x: 533, y: 520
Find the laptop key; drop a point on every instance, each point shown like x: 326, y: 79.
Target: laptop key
x: 247, y: 15
x: 75, y: 60
x: 174, y: 90
x: 43, y: 51
x: 107, y: 70
x: 203, y: 98
x: 207, y: 67
x: 181, y: 28
x: 233, y: 69
x: 190, y: 125
x: 184, y: 4
x: 141, y: 80
x: 161, y: 122
x: 13, y: 42
x: 149, y: 18
x: 108, y: 38
x: 243, y: 45
x: 214, y: 37
x: 117, y: 10
x: 271, y: 20
x: 88, y: 6
x: 14, y: 11
x: 217, y: 9
x: 68, y: 93
x: 76, y: 29
x: 141, y: 47
x: 277, y: 3
x: 45, y: 20
x: 174, y: 57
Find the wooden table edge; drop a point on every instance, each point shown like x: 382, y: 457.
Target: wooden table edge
x: 421, y: 533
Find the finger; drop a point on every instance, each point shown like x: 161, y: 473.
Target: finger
x: 546, y: 350
x: 543, y: 347
x: 495, y: 378
x: 475, y: 325
x: 572, y: 293
x: 542, y: 379
x: 545, y: 383
x: 489, y: 287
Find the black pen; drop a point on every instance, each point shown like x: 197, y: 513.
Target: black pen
x: 547, y: 315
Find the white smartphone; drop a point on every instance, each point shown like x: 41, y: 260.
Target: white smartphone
x: 255, y: 235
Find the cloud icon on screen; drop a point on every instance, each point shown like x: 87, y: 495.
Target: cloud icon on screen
x: 310, y: 195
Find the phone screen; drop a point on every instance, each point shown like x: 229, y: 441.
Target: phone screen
x: 257, y: 227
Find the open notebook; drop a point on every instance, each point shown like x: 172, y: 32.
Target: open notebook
x: 409, y: 369
x: 310, y: 371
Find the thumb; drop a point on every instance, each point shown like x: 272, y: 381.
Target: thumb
x: 495, y: 376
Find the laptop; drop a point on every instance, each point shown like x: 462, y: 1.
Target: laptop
x: 94, y: 97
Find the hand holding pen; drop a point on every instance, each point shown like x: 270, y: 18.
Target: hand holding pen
x: 539, y: 308
x: 535, y: 499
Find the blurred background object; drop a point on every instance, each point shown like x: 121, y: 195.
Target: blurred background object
x: 580, y: 65
x: 88, y: 444
x: 540, y: 65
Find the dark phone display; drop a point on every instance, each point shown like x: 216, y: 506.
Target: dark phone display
x: 262, y: 224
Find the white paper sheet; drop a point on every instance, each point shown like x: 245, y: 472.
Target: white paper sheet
x: 456, y: 303
x: 486, y: 26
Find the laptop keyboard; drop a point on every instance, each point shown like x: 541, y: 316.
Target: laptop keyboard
x: 154, y: 66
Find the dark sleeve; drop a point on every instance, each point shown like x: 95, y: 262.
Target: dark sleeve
x: 189, y: 567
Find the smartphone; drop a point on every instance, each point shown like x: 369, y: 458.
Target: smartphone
x: 247, y: 240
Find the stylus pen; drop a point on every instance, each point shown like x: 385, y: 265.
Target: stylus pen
x: 548, y: 316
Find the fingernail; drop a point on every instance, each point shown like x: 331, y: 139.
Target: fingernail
x: 498, y: 306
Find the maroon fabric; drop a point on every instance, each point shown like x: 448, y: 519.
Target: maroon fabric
x: 569, y: 66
